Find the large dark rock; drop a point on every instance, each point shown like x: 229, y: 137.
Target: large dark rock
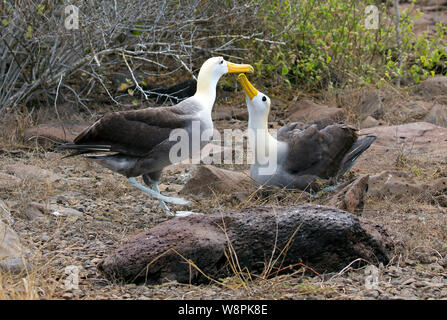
x: 308, y: 111
x: 323, y: 238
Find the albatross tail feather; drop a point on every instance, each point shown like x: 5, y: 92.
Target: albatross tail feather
x: 82, y: 149
x: 360, y: 146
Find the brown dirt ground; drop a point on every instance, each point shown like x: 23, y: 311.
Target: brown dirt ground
x: 114, y: 211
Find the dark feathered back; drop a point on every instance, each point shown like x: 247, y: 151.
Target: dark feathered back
x: 318, y: 152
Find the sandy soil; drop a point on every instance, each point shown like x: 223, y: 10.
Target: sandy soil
x: 113, y: 211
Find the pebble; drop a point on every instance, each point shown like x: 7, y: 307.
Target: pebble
x: 411, y: 262
x: 372, y: 293
x: 409, y: 281
x: 45, y: 237
x: 68, y: 295
x: 435, y: 267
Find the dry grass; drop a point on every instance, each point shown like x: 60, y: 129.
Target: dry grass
x: 114, y: 211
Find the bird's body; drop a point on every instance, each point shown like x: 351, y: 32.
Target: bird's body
x: 302, y: 154
x: 139, y: 142
x: 145, y: 146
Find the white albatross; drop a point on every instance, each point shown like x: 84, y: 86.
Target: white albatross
x: 138, y: 140
x: 303, y: 155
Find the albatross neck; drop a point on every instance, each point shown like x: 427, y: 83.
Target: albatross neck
x: 206, y: 89
x: 262, y: 139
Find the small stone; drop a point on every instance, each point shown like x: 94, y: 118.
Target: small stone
x: 426, y: 258
x: 69, y: 212
x: 372, y: 293
x: 308, y: 111
x: 411, y: 262
x: 435, y: 267
x: 208, y: 180
x: 5, y: 213
x: 68, y: 295
x: 10, y: 250
x: 409, y: 281
x: 34, y: 211
x: 78, y: 293
x: 369, y: 122
x: 14, y: 265
x: 420, y: 284
x: 443, y: 262
x: 29, y: 172
x: 8, y: 181
x: 47, y: 134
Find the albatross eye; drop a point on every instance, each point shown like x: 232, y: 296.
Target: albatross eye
x: 264, y: 98
x: 221, y: 61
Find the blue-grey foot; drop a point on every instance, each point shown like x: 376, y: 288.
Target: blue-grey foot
x: 166, y: 209
x: 162, y: 203
x: 157, y: 195
x: 186, y: 213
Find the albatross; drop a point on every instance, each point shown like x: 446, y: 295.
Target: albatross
x: 138, y: 142
x: 303, y: 155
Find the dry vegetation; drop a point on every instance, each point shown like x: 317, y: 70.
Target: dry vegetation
x: 113, y: 211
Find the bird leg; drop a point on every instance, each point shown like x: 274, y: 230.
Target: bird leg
x: 157, y: 195
x: 162, y: 203
x: 151, y: 180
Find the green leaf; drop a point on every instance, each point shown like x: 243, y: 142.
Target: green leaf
x: 5, y: 22
x: 284, y: 70
x: 40, y: 9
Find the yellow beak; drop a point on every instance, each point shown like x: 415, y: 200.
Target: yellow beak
x: 247, y: 86
x: 239, y: 68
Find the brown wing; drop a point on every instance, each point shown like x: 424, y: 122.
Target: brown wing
x: 135, y: 132
x: 289, y: 131
x: 317, y: 152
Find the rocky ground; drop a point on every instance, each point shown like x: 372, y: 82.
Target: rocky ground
x: 70, y: 212
x: 60, y: 215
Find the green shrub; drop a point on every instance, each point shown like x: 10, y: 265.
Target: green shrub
x: 327, y: 43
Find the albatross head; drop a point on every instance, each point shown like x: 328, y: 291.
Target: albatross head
x: 210, y: 73
x: 258, y: 104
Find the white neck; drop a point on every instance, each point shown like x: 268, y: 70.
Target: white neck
x: 206, y: 88
x: 263, y: 143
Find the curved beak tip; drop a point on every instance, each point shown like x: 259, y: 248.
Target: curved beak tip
x: 239, y: 68
x: 247, y: 86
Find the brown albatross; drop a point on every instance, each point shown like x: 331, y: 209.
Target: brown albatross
x: 140, y: 140
x: 303, y: 154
